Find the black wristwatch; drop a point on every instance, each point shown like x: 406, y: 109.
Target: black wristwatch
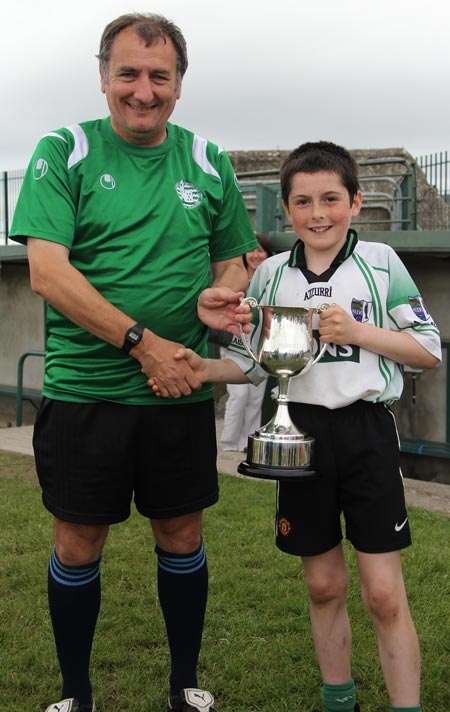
x: 132, y: 337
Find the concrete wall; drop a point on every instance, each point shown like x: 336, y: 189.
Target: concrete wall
x: 426, y: 419
x: 21, y: 326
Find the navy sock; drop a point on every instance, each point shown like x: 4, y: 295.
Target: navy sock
x: 74, y: 598
x: 183, y: 591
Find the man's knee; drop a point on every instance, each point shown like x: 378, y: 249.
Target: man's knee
x: 79, y: 544
x: 179, y: 535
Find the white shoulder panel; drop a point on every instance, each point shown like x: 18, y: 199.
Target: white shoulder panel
x: 199, y: 156
x: 55, y: 135
x: 81, y: 147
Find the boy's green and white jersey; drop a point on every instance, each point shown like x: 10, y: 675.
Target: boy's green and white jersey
x: 142, y: 225
x: 370, y: 283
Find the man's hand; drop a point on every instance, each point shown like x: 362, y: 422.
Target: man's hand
x: 196, y: 363
x: 219, y: 308
x: 174, y: 376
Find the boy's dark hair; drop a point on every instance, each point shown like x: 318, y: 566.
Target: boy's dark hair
x: 313, y: 157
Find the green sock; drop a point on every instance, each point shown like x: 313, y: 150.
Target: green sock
x: 406, y: 709
x: 339, y: 698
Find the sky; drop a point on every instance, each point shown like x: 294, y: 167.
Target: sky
x: 263, y: 74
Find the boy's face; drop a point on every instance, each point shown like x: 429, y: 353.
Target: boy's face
x: 320, y: 211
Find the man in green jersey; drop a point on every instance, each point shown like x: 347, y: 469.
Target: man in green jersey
x: 125, y: 218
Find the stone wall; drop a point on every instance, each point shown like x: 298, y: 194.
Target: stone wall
x: 433, y: 213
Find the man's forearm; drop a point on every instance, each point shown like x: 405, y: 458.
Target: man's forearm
x: 233, y: 275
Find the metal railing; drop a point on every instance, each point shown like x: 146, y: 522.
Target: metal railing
x: 10, y: 183
x: 436, y: 167
x: 389, y: 189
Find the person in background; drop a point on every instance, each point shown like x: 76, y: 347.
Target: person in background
x: 376, y: 322
x: 243, y: 407
x: 125, y: 217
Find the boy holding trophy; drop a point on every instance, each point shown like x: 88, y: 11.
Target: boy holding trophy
x: 376, y: 323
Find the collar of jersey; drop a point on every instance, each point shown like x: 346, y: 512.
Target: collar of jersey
x: 145, y: 151
x: 297, y: 257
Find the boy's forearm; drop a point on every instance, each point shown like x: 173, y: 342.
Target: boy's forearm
x: 398, y: 346
x: 224, y: 370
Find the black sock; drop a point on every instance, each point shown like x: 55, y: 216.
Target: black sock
x: 74, y: 598
x: 183, y: 591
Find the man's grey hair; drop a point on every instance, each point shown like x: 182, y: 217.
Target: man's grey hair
x: 149, y: 27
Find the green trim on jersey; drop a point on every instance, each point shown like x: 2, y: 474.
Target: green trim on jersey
x: 374, y: 287
x: 143, y: 225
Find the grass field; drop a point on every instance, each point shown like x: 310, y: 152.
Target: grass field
x: 257, y: 654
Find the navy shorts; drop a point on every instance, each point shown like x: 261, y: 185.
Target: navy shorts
x: 357, y: 458
x: 92, y: 459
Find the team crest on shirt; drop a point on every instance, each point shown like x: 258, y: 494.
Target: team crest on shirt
x: 189, y: 194
x: 361, y: 310
x: 419, y: 308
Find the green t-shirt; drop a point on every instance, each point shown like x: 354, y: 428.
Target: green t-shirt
x: 143, y: 225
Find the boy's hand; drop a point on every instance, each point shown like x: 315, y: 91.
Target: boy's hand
x: 336, y: 326
x: 195, y: 362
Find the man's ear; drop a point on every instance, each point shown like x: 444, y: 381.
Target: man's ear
x: 102, y: 80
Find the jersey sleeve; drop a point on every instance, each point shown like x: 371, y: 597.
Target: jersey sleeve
x: 46, y: 207
x: 406, y: 308
x: 236, y: 351
x: 232, y: 231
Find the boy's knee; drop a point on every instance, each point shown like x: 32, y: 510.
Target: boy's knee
x: 383, y: 604
x: 326, y: 587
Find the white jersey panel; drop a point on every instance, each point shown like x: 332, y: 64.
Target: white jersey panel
x: 374, y: 286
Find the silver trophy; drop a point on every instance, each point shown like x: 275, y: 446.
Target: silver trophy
x: 279, y: 450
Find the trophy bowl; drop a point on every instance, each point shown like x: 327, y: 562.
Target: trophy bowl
x: 279, y: 450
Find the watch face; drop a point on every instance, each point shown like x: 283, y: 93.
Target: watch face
x: 134, y: 336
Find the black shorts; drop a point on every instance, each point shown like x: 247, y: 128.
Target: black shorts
x: 93, y: 458
x: 358, y: 462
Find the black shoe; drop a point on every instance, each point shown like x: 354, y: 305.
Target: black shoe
x: 191, y: 700
x: 70, y: 705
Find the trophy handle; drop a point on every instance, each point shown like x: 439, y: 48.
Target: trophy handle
x: 252, y: 303
x: 322, y: 347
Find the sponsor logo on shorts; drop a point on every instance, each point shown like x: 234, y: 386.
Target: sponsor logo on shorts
x: 284, y: 526
x: 398, y: 527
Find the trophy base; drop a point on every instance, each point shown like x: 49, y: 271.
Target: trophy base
x: 286, y: 451
x: 250, y: 469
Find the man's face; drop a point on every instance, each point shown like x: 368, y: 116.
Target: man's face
x: 141, y: 87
